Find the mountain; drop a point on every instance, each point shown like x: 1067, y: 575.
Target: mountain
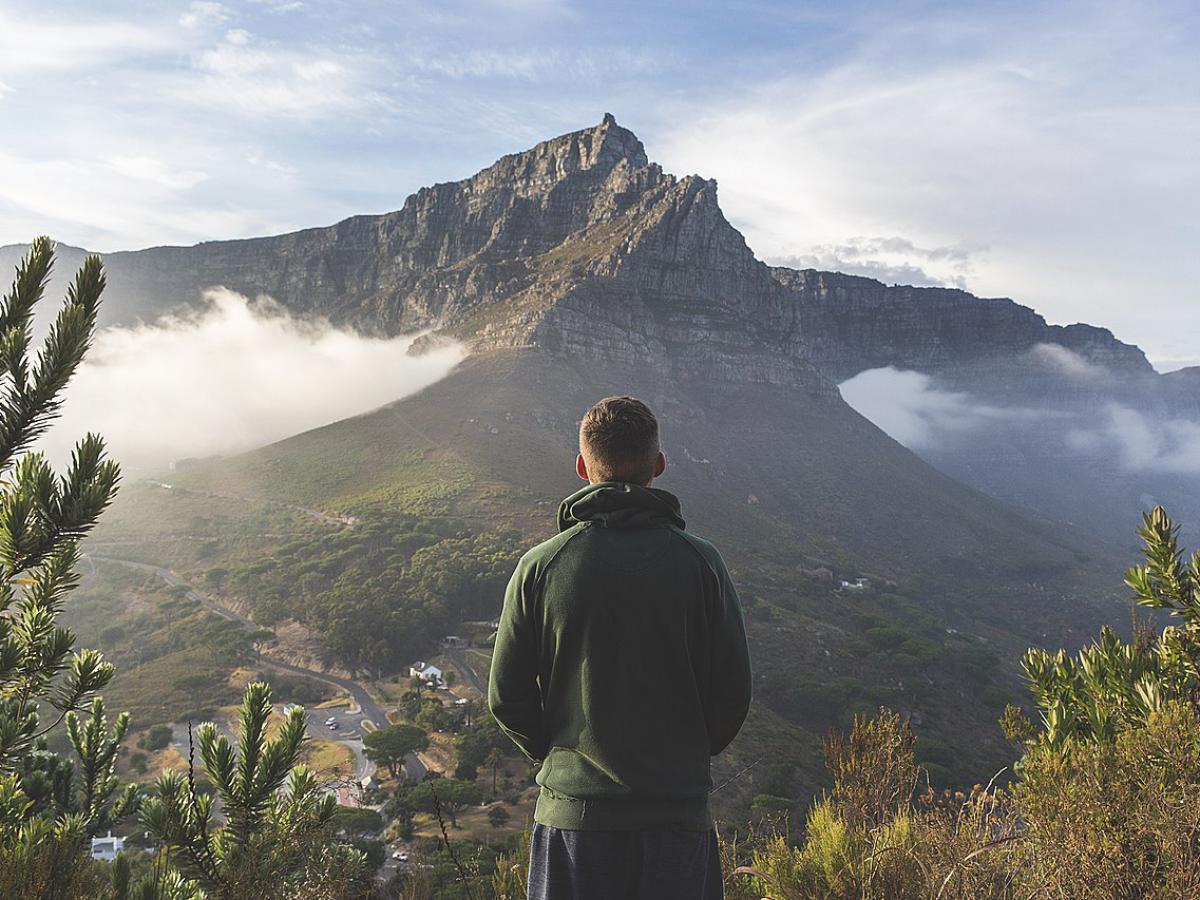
x: 574, y: 270
x: 581, y: 253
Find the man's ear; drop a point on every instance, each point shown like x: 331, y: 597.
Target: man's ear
x: 660, y: 464
x: 581, y: 467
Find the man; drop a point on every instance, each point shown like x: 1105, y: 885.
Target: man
x: 621, y: 666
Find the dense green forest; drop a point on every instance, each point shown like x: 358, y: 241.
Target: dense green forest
x: 380, y: 593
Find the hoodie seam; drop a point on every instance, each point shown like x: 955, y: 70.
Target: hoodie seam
x: 539, y: 583
x: 686, y: 538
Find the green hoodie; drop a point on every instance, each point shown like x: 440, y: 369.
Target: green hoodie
x: 621, y: 663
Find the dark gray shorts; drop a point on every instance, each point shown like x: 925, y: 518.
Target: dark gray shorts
x: 624, y: 865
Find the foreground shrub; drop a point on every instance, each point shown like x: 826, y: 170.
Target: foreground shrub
x: 276, y: 841
x: 1118, y: 819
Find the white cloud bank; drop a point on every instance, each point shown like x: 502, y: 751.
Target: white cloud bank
x: 913, y: 411
x: 235, y: 375
x: 910, y: 408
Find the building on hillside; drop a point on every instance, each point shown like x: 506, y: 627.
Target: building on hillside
x: 857, y: 584
x: 107, y: 848
x: 454, y: 642
x: 426, y: 672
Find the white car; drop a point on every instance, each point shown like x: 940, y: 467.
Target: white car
x: 400, y: 856
x: 331, y: 721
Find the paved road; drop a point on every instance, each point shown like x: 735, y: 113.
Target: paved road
x: 370, y: 714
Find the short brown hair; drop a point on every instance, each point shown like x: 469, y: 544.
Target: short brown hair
x: 618, y: 438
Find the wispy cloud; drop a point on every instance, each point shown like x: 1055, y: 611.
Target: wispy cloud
x: 39, y: 44
x: 925, y: 416
x: 244, y: 75
x: 203, y: 12
x: 1141, y: 443
x: 234, y: 376
x: 1064, y: 361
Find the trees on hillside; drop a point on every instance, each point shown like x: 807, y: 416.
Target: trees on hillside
x: 445, y: 795
x: 380, y: 593
x: 388, y: 746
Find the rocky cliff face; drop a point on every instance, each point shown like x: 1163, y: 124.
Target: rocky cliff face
x: 853, y: 323
x: 579, y: 246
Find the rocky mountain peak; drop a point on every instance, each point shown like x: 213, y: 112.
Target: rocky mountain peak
x: 596, y: 151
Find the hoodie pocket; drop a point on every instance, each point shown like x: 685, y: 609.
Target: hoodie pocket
x: 573, y: 774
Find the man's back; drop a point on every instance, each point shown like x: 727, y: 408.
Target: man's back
x: 634, y: 634
x: 621, y: 665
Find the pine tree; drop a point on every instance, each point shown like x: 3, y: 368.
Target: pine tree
x: 275, y: 841
x: 49, y: 806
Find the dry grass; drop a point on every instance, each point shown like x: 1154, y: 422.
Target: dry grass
x: 329, y: 759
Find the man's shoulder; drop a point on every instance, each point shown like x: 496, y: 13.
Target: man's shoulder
x: 704, y: 549
x: 541, y: 554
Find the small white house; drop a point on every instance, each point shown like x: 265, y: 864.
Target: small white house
x: 426, y: 672
x: 107, y: 848
x: 857, y: 584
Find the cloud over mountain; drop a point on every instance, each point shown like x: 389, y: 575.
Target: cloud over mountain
x: 235, y: 375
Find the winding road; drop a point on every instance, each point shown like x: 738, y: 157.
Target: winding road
x: 373, y: 715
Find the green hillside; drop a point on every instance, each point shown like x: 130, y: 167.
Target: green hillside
x: 380, y: 533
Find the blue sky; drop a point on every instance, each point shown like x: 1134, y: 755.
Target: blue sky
x: 1039, y: 151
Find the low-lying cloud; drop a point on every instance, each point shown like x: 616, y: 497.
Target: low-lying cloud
x: 914, y: 410
x: 1141, y: 444
x: 235, y: 375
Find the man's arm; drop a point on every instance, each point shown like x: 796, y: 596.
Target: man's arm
x: 513, y: 694
x: 729, y: 700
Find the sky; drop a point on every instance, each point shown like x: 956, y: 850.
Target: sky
x: 1044, y: 152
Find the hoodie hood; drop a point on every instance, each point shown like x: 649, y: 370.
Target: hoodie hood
x: 617, y: 504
